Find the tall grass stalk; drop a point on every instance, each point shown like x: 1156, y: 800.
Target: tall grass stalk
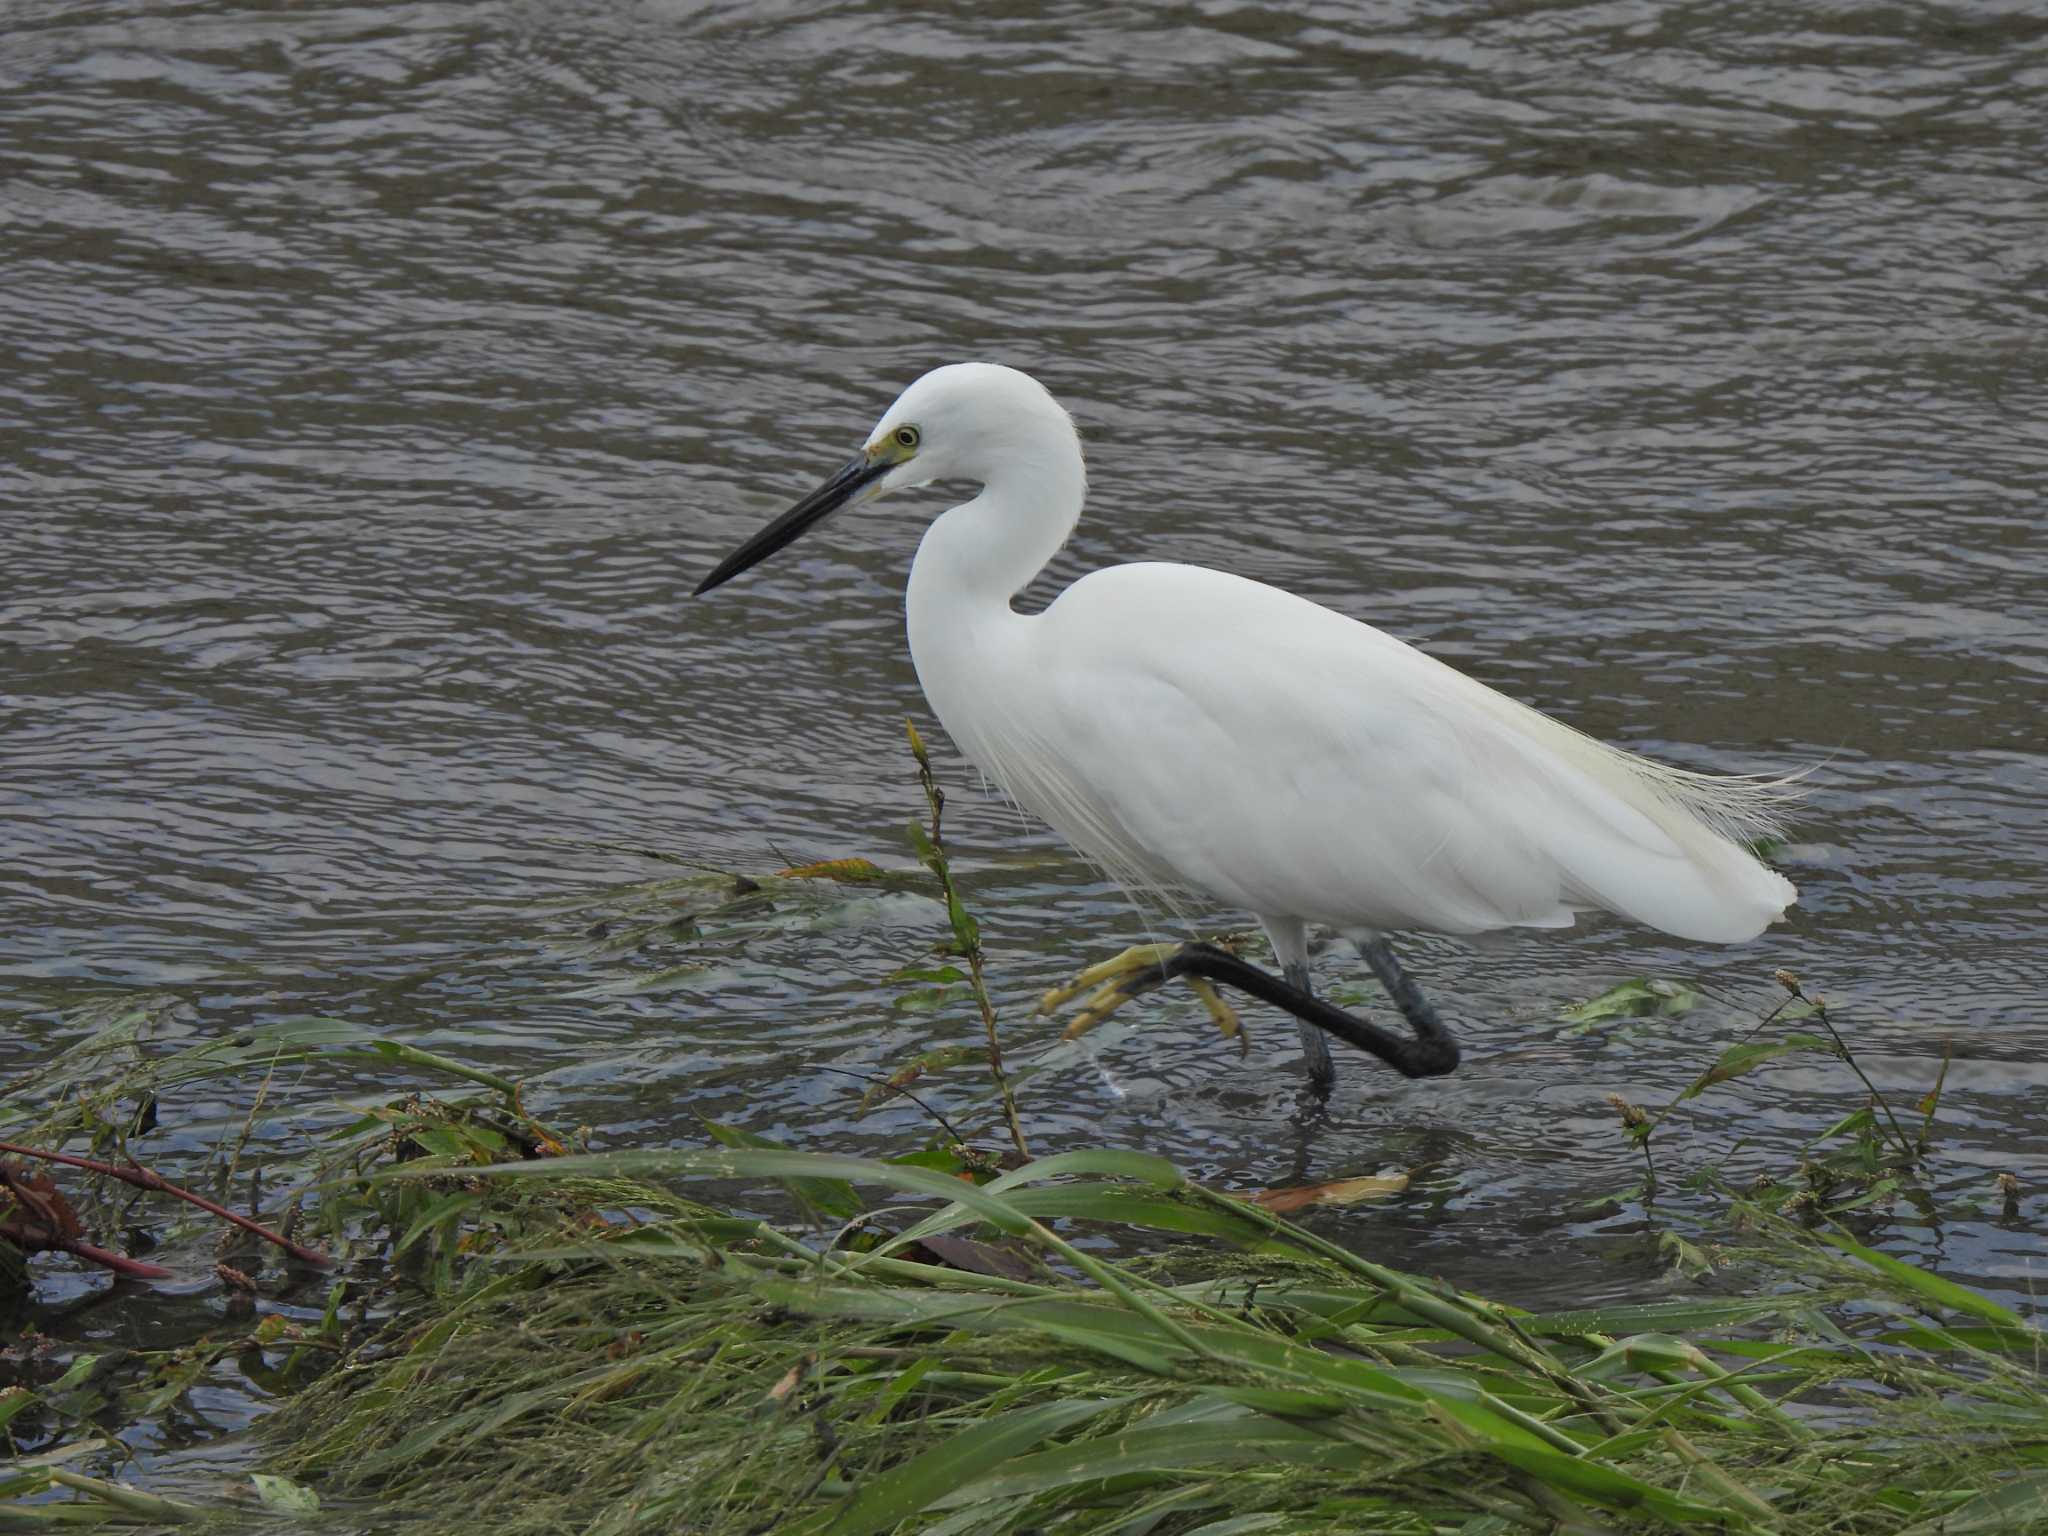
x: 931, y: 847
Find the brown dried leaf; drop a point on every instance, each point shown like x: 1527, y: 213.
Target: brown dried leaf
x: 1337, y: 1192
x: 37, y: 1197
x: 781, y: 1390
x: 627, y: 1343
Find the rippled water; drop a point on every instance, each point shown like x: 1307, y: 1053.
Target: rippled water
x: 376, y: 380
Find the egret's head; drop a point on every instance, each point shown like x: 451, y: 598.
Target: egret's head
x: 958, y: 422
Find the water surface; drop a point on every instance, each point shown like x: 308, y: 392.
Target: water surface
x: 376, y: 380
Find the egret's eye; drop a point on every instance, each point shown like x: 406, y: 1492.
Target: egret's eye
x: 907, y: 437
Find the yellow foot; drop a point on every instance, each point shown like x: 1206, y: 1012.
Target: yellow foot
x: 1140, y: 969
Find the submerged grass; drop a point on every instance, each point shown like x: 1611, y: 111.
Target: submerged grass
x: 529, y: 1339
x: 538, y: 1340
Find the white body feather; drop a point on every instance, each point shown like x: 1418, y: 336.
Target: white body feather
x: 1189, y: 729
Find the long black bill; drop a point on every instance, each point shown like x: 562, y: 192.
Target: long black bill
x: 786, y: 529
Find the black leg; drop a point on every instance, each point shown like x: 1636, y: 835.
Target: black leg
x: 1315, y: 1045
x: 1431, y: 1052
x: 1430, y: 1032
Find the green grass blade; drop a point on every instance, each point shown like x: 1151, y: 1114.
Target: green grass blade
x: 1146, y: 1452
x: 918, y: 1484
x: 1124, y: 1205
x: 1141, y: 1167
x: 1946, y: 1294
x: 1607, y: 1485
x: 829, y: 1197
x: 2018, y: 1505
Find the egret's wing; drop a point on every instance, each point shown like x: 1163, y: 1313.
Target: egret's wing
x: 1251, y: 777
x: 1200, y: 729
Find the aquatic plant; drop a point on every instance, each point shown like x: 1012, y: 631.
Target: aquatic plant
x: 746, y: 1338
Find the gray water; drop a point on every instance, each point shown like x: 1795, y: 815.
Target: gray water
x: 376, y: 381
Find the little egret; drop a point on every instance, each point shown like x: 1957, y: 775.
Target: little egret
x: 1189, y: 730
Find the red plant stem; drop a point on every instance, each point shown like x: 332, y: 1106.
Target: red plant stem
x: 117, y: 1262
x: 145, y: 1178
x: 39, y: 1240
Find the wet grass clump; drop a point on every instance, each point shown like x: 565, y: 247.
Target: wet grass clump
x: 467, y: 1320
x: 519, y: 1334
x: 979, y: 1369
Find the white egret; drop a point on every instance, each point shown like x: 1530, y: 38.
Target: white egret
x: 1190, y: 730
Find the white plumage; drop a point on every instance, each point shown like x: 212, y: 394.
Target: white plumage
x: 1187, y: 729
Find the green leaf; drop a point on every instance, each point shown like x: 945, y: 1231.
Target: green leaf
x: 1607, y: 1485
x: 438, y: 1211
x: 913, y: 1070
x: 12, y: 1401
x: 1119, y: 1341
x: 1143, y: 1167
x: 1099, y: 1201
x: 413, y: 1056
x: 1686, y: 1258
x: 1147, y: 1451
x: 1645, y: 1352
x: 898, y: 1388
x: 131, y: 1501
x: 2021, y: 1341
x: 375, y: 1120
x: 1123, y: 1205
x: 917, y: 749
x: 492, y: 1144
x: 284, y: 1495
x: 1644, y: 997
x: 1747, y: 1057
x: 81, y: 1368
x: 2013, y: 1506
x: 908, y: 1490
x: 845, y: 871
x: 926, y: 999
x: 930, y: 973
x: 966, y: 932
x: 747, y: 1162
x: 1944, y: 1294
x: 1883, y: 1189
x: 446, y: 1141
x: 1656, y: 1316
x: 330, y: 1318
x: 1286, y: 1402
x: 1858, y: 1120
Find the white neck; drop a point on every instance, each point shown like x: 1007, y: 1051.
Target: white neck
x: 975, y: 558
x: 988, y: 549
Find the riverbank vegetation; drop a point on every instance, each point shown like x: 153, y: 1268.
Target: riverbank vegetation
x: 463, y: 1318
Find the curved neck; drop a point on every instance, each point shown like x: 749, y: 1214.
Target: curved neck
x: 987, y: 550
x: 973, y: 560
